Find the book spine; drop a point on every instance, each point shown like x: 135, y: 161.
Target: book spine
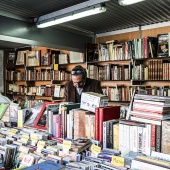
x: 104, y: 135
x: 96, y: 124
x: 158, y: 138
x: 100, y: 127
x: 111, y: 135
x: 153, y: 137
x: 140, y: 135
x: 116, y: 136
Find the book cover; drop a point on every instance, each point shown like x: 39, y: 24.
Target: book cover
x: 163, y: 50
x: 107, y: 113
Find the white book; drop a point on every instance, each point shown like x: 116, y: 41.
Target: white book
x: 148, y: 140
x: 68, y: 126
x: 140, y: 135
x: 144, y: 138
x: 143, y: 166
x: 121, y: 137
x: 135, y: 139
x: 128, y: 138
x: 155, y: 122
x: 131, y: 138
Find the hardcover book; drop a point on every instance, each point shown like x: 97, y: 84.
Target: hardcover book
x: 163, y: 50
x: 21, y: 58
x: 33, y: 58
x: 107, y: 113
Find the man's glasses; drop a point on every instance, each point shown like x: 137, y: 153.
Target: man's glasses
x: 78, y: 83
x: 76, y: 72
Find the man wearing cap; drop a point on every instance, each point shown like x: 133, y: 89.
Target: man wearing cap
x: 80, y: 83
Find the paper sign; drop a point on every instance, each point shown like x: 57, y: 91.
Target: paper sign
x: 34, y: 138
x: 118, y: 161
x: 24, y: 138
x: 66, y: 144
x: 95, y: 149
x: 13, y: 131
x: 41, y: 144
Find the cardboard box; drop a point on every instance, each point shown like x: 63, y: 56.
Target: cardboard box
x: 91, y: 100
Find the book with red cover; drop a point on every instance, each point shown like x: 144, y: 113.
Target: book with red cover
x: 107, y: 113
x: 96, y: 124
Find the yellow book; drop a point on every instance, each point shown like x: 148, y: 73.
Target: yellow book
x: 116, y: 136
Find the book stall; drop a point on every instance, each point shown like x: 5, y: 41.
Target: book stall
x: 89, y: 135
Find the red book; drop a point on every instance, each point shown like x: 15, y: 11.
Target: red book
x: 107, y: 113
x: 153, y: 135
x: 96, y: 124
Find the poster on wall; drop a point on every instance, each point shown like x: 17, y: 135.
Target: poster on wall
x: 1, y: 71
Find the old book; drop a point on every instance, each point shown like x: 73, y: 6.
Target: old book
x: 11, y: 60
x: 163, y: 47
x: 165, y: 137
x: 21, y: 57
x: 92, y: 52
x: 3, y: 108
x: 76, y: 57
x: 33, y: 58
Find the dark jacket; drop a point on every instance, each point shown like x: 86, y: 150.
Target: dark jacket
x: 91, y: 85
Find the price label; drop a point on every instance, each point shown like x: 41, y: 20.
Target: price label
x: 118, y: 161
x: 66, y: 144
x: 55, y: 66
x: 95, y: 149
x: 41, y: 144
x: 13, y: 131
x: 34, y: 138
x: 24, y: 138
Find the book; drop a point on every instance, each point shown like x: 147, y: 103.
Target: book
x: 165, y: 137
x: 163, y: 41
x: 76, y: 57
x: 3, y: 108
x: 46, y: 165
x: 80, y: 145
x: 143, y: 166
x: 21, y: 57
x: 139, y: 119
x: 11, y: 60
x: 107, y: 113
x: 33, y: 58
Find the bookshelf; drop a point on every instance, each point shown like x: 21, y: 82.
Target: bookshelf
x: 159, y: 78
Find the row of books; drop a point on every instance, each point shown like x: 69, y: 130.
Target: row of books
x: 43, y: 74
x: 109, y: 72
x: 118, y: 93
x: 42, y: 90
x: 147, y: 47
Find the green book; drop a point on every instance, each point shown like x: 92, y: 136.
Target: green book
x: 3, y: 108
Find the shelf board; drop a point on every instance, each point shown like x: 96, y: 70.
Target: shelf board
x: 72, y: 63
x: 155, y: 58
x: 119, y: 101
x: 48, y: 98
x: 91, y: 62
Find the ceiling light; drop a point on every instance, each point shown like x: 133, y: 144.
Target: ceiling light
x: 128, y: 2
x: 72, y: 16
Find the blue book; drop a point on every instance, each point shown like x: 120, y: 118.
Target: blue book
x: 46, y: 165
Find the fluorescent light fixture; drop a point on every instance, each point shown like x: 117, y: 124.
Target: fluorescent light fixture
x: 128, y: 2
x: 72, y: 16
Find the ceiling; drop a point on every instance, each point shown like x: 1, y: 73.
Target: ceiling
x: 115, y: 18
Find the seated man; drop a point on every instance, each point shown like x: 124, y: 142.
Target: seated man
x: 80, y: 83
